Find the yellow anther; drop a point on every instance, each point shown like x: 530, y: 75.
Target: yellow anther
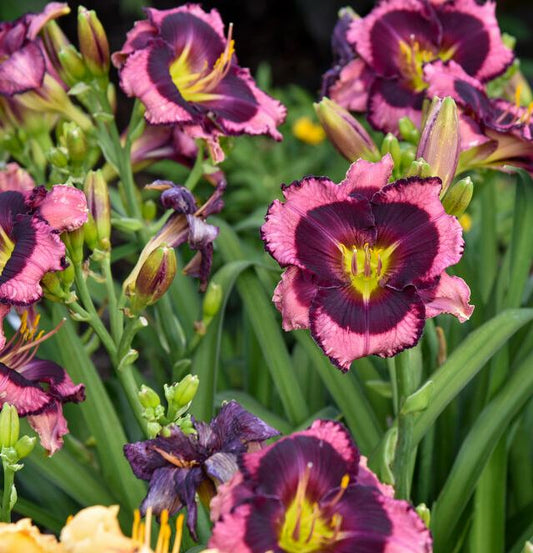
x: 179, y: 533
x: 136, y: 525
x: 518, y: 95
x: 345, y: 481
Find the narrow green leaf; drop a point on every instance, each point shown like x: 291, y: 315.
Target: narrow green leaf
x: 466, y: 361
x: 476, y: 450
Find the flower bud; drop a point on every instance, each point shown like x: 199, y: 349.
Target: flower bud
x: 346, y: 133
x: 154, y: 278
x: 94, y: 46
x: 418, y: 168
x: 528, y: 547
x: 439, y: 142
x: 90, y: 233
x: 24, y: 446
x: 391, y: 145
x: 182, y: 393
x: 153, y: 428
x: 54, y: 40
x: 458, y: 197
x: 75, y: 142
x: 9, y: 426
x: 58, y: 157
x: 424, y: 513
x: 212, y: 300
x: 148, y: 397
x: 72, y: 64
x: 95, y: 188
x: 74, y: 243
x: 149, y: 210
x: 408, y: 130
x: 56, y: 285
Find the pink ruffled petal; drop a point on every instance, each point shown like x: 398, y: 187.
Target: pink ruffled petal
x: 24, y: 394
x: 4, y: 310
x: 37, y: 21
x: 136, y: 39
x: 351, y: 88
x: 293, y: 296
x: 64, y: 207
x: 450, y: 295
x: 37, y: 251
x: 366, y: 178
x: 347, y: 328
x: 365, y: 477
x: 51, y: 426
x: 473, y: 29
x: 230, y: 536
x: 23, y: 70
x: 13, y: 177
x: 427, y: 240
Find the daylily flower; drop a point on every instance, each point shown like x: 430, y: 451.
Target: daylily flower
x: 182, y: 67
x: 186, y: 224
x: 23, y: 62
x: 311, y: 491
x: 397, y: 39
x: 365, y: 260
x: 494, y: 132
x: 31, y: 219
x: 23, y: 536
x: 37, y: 388
x: 182, y: 464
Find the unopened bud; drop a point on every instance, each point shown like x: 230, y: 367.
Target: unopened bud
x: 408, y: 130
x: 153, y: 428
x: 112, y: 97
x: 72, y: 64
x: 9, y: 425
x: 458, y: 197
x: 24, y: 446
x: 418, y: 168
x: 439, y: 141
x: 56, y: 285
x: 90, y: 233
x: 148, y: 397
x: 94, y: 46
x: 346, y: 133
x: 424, y: 513
x: 96, y: 190
x: 74, y: 243
x: 212, y: 300
x: 182, y: 393
x: 75, y: 142
x: 155, y: 277
x: 391, y: 145
x: 58, y: 157
x: 149, y: 210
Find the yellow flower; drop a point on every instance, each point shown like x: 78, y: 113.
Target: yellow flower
x: 23, y: 537
x: 96, y: 530
x: 305, y: 130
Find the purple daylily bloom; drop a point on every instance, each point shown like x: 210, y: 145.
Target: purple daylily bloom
x: 31, y: 219
x: 182, y: 67
x: 182, y: 464
x: 365, y: 260
x: 23, y: 62
x: 494, y: 131
x: 397, y: 39
x: 36, y: 387
x: 311, y: 491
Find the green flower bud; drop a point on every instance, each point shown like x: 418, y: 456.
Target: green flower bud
x: 94, y: 45
x: 72, y: 64
x: 149, y: 210
x: 153, y: 429
x: 182, y: 393
x: 148, y: 397
x: 76, y: 142
x: 9, y: 425
x: 424, y: 513
x: 58, y: 157
x: 24, y: 446
x: 90, y: 233
x: 95, y: 188
x: 74, y: 242
x: 418, y: 168
x: 56, y: 285
x: 154, y: 278
x: 344, y: 131
x: 458, y: 197
x: 390, y: 145
x: 212, y: 300
x: 408, y: 130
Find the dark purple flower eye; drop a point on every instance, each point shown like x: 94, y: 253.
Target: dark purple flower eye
x: 182, y: 67
x: 364, y: 259
x: 311, y: 491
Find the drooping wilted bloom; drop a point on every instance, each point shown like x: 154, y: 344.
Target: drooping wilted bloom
x: 186, y: 224
x: 311, y: 491
x: 365, y: 260
x: 31, y: 219
x: 182, y: 67
x: 396, y: 40
x: 494, y: 131
x: 23, y: 62
x: 37, y: 388
x: 182, y: 464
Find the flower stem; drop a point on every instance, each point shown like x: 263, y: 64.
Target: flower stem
x: 197, y: 170
x: 9, y: 479
x: 115, y: 314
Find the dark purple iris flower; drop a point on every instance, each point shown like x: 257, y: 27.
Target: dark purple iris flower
x: 311, y: 491
x: 37, y: 388
x: 365, y: 260
x: 185, y: 224
x: 494, y: 131
x: 23, y: 62
x: 181, y: 465
x: 391, y: 46
x: 31, y: 219
x: 182, y: 67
